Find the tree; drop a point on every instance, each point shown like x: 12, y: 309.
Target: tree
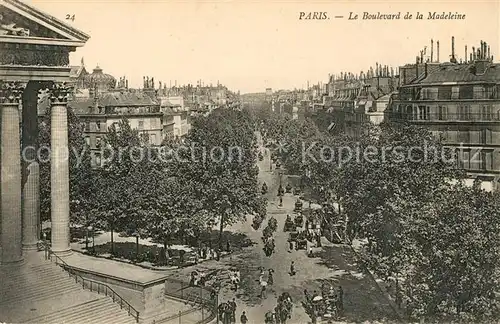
x: 121, y: 184
x: 221, y: 153
x: 457, y: 275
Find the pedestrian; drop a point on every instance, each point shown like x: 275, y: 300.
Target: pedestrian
x: 310, y: 252
x: 270, y: 279
x: 292, y: 269
x: 263, y: 285
x: 228, y: 247
x: 243, y: 318
x: 233, y: 308
x: 290, y: 246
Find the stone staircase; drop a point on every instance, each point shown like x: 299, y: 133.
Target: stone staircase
x: 40, y: 291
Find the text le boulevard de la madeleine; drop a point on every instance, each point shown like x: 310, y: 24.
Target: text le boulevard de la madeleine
x: 431, y: 15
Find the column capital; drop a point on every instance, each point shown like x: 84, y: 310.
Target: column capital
x: 11, y: 92
x: 59, y: 93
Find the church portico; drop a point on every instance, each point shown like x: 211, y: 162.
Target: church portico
x: 34, y: 58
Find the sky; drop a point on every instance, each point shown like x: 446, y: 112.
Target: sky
x: 253, y: 45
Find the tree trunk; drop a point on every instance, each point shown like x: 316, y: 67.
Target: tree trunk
x: 221, y: 230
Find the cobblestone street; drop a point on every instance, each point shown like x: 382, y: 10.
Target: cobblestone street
x: 333, y: 264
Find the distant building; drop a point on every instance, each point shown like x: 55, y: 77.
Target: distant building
x: 356, y: 99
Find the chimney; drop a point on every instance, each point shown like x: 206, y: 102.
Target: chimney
x: 453, y: 60
x: 465, y: 59
x: 416, y: 68
x: 489, y: 57
x: 478, y: 54
x: 425, y: 70
x: 432, y: 50
x: 421, y: 56
x: 473, y: 53
x: 437, y: 51
x: 126, y: 84
x: 470, y: 58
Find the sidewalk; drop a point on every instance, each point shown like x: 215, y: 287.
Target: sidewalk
x: 113, y: 268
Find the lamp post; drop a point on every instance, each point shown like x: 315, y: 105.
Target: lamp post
x: 280, y: 190
x: 90, y: 229
x: 136, y: 234
x: 87, y: 239
x: 209, y: 233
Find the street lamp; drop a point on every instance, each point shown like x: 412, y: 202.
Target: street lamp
x: 136, y: 234
x: 209, y: 232
x: 90, y: 229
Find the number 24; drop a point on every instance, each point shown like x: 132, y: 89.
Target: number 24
x: 70, y: 17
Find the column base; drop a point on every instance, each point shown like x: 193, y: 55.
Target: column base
x: 63, y: 254
x: 12, y: 264
x: 30, y: 247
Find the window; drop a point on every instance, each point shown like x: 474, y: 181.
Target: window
x: 466, y: 92
x: 409, y: 112
x: 486, y: 136
x: 423, y: 112
x: 97, y: 159
x: 463, y: 112
x: 442, y: 113
x: 463, y: 136
x: 486, y: 113
x: 87, y: 140
x: 153, y: 139
x: 490, y: 92
x: 98, y: 125
x: 87, y: 126
x: 479, y: 92
x: 98, y: 141
x: 141, y: 124
x: 459, y: 158
x: 444, y: 93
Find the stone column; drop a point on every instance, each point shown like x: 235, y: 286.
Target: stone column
x: 31, y: 171
x: 59, y: 169
x: 10, y: 95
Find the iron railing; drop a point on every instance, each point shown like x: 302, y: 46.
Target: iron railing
x: 96, y: 286
x: 205, y: 298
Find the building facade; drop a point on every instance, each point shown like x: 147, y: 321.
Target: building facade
x: 460, y: 104
x: 357, y: 99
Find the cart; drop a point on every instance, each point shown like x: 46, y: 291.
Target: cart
x: 298, y: 206
x: 289, y: 225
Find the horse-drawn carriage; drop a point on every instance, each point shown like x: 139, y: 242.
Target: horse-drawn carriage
x: 269, y: 247
x: 289, y: 224
x: 273, y: 224
x: 299, y: 220
x: 298, y: 206
x: 299, y: 239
